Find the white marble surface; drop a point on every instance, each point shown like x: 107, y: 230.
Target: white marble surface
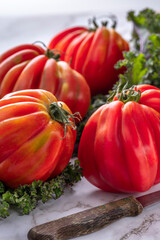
x: 84, y: 196
x: 36, y: 7
x: 19, y: 30
x: 16, y: 30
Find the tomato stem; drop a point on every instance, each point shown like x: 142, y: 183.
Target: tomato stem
x: 50, y: 54
x: 59, y: 114
x: 125, y: 95
x: 43, y: 44
x: 93, y: 21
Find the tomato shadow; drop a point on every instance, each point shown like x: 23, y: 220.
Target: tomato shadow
x: 106, y: 196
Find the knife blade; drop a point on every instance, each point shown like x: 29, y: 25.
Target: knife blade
x: 93, y: 219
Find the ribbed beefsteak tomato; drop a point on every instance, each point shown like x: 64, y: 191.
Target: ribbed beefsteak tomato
x: 93, y: 53
x: 123, y: 151
x: 32, y: 67
x: 37, y: 136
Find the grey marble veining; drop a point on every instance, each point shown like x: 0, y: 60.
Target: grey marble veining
x: 19, y: 30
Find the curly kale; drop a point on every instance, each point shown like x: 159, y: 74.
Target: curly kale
x: 141, y: 68
x: 25, y: 198
x: 145, y: 23
x: 146, y: 18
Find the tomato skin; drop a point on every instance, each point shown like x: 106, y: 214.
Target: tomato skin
x: 93, y: 54
x: 15, y: 59
x: 124, y: 148
x: 32, y: 144
x: 13, y: 50
x: 29, y: 67
x: 63, y: 34
x: 143, y: 87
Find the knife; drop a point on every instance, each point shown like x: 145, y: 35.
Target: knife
x: 93, y: 219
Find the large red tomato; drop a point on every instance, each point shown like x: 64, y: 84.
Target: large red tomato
x: 31, y: 67
x: 123, y: 150
x: 93, y: 53
x: 37, y: 137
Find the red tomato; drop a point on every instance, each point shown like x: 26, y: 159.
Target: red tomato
x: 123, y: 151
x: 31, y: 67
x: 34, y: 142
x: 93, y: 53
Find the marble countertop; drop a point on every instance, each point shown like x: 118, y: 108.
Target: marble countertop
x: 146, y: 226
x: 83, y: 196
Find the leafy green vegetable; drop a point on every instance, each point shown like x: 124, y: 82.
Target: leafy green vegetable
x: 145, y: 23
x: 135, y: 65
x: 141, y: 68
x: 25, y: 198
x: 143, y: 63
x: 146, y: 18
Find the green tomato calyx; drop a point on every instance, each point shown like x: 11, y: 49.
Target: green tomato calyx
x: 59, y: 114
x: 128, y: 94
x: 52, y: 54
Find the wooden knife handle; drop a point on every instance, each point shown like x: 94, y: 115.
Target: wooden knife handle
x: 87, y: 221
